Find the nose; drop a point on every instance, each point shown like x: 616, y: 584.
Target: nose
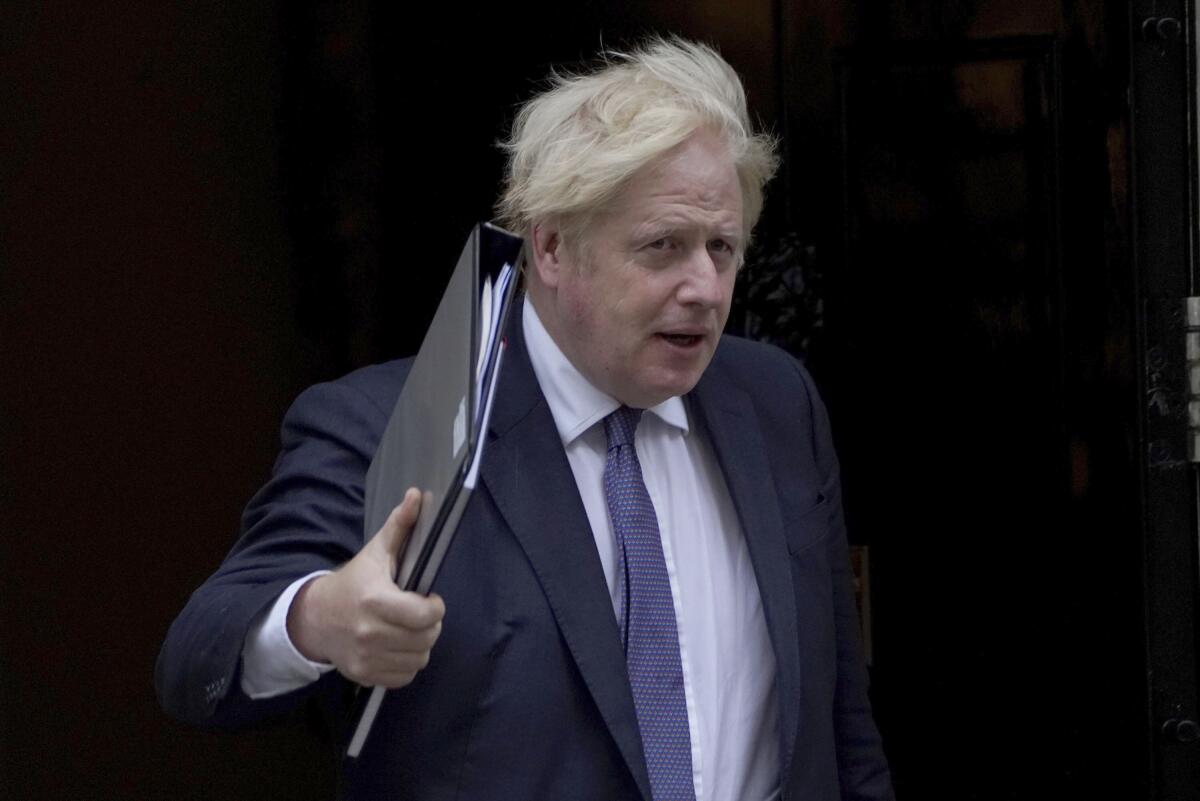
x: 702, y: 284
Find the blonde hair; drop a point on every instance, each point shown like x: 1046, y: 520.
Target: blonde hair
x: 574, y: 145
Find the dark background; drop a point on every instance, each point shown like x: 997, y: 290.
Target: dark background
x: 206, y: 207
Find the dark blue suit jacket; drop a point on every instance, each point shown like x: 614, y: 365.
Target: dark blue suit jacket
x: 526, y: 695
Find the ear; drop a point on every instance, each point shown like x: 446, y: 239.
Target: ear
x: 547, y: 253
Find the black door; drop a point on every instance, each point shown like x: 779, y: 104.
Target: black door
x: 1165, y: 160
x: 1000, y: 200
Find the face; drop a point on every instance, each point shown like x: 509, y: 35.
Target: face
x: 639, y: 305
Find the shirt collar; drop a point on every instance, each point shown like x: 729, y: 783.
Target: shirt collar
x: 575, y: 403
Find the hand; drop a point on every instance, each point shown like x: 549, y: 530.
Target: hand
x: 356, y: 618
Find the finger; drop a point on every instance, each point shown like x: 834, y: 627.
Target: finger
x: 401, y: 641
x: 389, y: 670
x: 381, y: 676
x: 374, y: 635
x: 411, y: 610
x: 399, y: 524
x: 381, y: 645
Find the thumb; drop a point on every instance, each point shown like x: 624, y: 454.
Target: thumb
x: 391, y: 538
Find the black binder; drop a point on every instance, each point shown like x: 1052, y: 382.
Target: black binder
x: 435, y: 436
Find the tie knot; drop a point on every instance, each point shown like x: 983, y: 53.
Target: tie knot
x: 621, y: 425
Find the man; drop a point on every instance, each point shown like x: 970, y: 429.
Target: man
x: 648, y: 597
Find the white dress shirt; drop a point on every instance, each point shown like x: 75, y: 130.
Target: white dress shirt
x: 728, y: 663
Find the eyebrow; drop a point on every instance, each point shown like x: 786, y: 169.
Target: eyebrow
x: 660, y: 228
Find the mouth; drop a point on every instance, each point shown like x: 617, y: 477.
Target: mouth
x: 682, y: 340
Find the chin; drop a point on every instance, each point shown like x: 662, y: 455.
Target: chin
x: 654, y: 393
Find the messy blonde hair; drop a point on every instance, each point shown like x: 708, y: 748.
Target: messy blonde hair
x: 575, y: 145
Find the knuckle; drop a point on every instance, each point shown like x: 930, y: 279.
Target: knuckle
x: 372, y: 603
x: 363, y: 632
x: 430, y: 637
x: 432, y: 614
x: 354, y: 670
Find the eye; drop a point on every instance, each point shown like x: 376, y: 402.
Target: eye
x: 661, y: 243
x: 720, y: 245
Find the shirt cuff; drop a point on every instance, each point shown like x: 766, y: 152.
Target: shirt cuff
x: 271, y: 665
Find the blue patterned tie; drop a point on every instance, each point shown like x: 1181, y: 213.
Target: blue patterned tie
x: 647, y: 616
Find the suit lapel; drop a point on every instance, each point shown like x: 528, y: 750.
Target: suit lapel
x: 728, y: 416
x: 526, y: 471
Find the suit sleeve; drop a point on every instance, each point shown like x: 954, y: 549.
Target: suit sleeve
x: 308, y: 517
x: 862, y: 767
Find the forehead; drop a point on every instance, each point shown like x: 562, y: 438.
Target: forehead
x: 694, y: 181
